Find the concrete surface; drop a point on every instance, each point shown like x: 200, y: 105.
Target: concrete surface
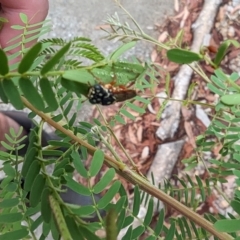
x: 81, y: 18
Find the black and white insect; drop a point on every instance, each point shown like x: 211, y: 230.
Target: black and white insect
x: 109, y: 93
x: 98, y: 94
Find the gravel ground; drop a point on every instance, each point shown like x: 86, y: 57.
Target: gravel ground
x: 83, y: 18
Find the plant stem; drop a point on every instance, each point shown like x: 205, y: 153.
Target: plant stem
x: 61, y: 223
x: 134, y: 178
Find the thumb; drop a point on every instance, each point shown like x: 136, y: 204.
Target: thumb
x: 35, y: 10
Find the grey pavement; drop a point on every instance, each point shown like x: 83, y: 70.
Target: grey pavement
x: 82, y: 18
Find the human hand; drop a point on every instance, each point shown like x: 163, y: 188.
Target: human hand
x: 36, y: 10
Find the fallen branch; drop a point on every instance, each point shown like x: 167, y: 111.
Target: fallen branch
x: 202, y: 27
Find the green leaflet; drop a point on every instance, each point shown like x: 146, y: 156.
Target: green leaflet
x: 136, y: 202
x: 9, y: 203
x: 171, y: 232
x: 31, y: 175
x: 3, y: 63
x: 45, y: 206
x: 31, y: 93
x: 122, y: 49
x: 149, y: 215
x: 29, y: 58
x: 29, y: 158
x: 73, y: 228
x: 24, y: 18
x: 9, y: 170
x: 183, y: 56
x: 54, y: 60
x: 228, y: 225
x: 96, y: 163
x: 112, y: 191
x: 12, y: 93
x: 104, y: 181
x: 17, y: 234
x: 77, y: 87
x: 3, y: 96
x: 78, y: 164
x: 36, y: 190
x: 77, y: 187
x: 10, y: 217
x: 48, y: 93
